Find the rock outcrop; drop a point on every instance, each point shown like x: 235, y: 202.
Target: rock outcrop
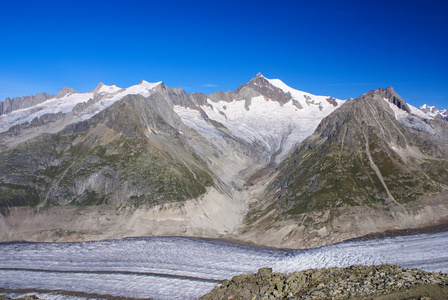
x: 64, y: 91
x: 354, y: 282
x: 16, y: 103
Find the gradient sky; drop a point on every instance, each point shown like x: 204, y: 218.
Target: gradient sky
x: 337, y: 48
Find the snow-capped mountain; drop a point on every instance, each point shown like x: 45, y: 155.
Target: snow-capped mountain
x: 277, y: 119
x: 434, y: 112
x: 154, y: 160
x: 81, y: 105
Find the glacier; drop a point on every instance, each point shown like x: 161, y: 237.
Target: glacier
x: 186, y: 268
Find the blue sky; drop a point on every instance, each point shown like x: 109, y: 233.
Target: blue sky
x: 338, y: 48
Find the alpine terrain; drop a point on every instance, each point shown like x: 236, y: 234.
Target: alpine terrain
x: 265, y: 164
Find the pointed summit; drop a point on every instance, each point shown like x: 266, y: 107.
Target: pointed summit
x: 360, y: 159
x: 391, y: 96
x: 260, y: 85
x: 260, y: 79
x: 98, y: 87
x: 64, y: 91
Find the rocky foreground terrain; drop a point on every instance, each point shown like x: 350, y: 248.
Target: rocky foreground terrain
x: 354, y: 282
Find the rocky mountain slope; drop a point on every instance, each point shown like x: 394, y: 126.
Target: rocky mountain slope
x: 125, y: 154
x: 154, y: 160
x: 367, y: 167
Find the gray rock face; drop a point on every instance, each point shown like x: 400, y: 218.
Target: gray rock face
x: 16, y: 103
x: 332, y: 101
x: 393, y: 97
x: 36, y: 122
x: 64, y: 91
x: 261, y: 86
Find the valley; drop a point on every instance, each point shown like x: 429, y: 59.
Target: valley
x: 265, y: 164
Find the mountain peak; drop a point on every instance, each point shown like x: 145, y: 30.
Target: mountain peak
x: 425, y: 107
x: 260, y: 80
x: 262, y: 86
x: 434, y: 112
x: 98, y: 87
x: 149, y: 85
x: 392, y: 97
x: 64, y: 91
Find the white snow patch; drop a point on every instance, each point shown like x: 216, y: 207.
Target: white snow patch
x: 51, y: 106
x: 409, y: 120
x: 109, y: 89
x: 399, y: 113
x: 193, y: 119
x: 418, y: 112
x: 301, y: 96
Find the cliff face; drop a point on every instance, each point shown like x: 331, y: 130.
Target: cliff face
x: 17, y: 103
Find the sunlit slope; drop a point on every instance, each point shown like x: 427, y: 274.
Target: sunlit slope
x: 370, y: 166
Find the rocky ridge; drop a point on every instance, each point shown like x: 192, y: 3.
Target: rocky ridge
x: 17, y: 103
x: 354, y: 282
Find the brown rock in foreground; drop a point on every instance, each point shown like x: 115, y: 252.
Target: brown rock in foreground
x: 33, y: 297
x: 359, y: 282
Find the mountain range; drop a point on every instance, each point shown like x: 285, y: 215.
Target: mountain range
x: 265, y: 164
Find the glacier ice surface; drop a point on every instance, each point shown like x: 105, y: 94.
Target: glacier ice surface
x: 123, y: 267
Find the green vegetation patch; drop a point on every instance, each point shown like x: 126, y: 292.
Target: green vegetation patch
x: 18, y: 195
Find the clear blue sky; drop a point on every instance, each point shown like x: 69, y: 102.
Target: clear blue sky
x: 339, y: 48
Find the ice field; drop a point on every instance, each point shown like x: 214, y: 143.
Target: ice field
x: 186, y: 268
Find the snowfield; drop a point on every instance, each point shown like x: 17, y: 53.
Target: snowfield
x: 279, y: 128
x: 409, y: 120
x: 186, y: 268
